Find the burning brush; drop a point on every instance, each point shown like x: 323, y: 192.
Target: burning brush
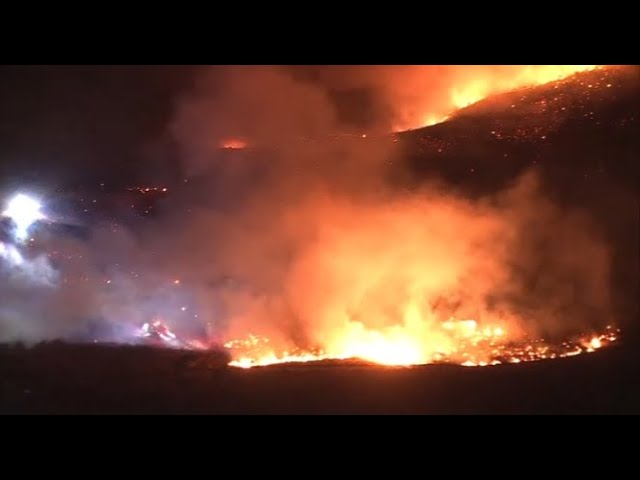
x: 476, y: 348
x: 157, y: 333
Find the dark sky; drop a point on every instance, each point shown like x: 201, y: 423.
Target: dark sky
x: 77, y: 124
x: 71, y: 123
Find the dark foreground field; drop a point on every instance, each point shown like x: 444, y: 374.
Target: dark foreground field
x: 65, y: 379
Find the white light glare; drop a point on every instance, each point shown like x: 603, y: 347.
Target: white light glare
x: 24, y: 211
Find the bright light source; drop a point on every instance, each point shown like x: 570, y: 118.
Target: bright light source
x: 24, y: 211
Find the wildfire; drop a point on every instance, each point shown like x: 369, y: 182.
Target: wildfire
x: 475, y: 348
x: 437, y: 287
x: 254, y: 351
x: 478, y: 83
x: 157, y: 330
x: 443, y: 283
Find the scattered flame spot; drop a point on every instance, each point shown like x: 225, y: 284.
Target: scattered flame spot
x: 234, y: 144
x: 465, y: 344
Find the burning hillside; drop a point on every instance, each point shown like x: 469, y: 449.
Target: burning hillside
x: 432, y: 278
x: 305, y: 250
x: 476, y: 83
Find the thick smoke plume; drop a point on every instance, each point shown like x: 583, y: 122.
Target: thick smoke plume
x: 402, y: 97
x: 301, y: 238
x: 316, y: 242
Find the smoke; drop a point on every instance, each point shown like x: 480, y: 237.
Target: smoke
x: 312, y: 241
x: 262, y: 104
x: 36, y: 300
x: 312, y: 100
x: 302, y: 238
x: 310, y: 273
x: 402, y: 97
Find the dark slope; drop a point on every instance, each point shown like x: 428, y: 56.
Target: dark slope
x: 581, y: 134
x: 67, y: 379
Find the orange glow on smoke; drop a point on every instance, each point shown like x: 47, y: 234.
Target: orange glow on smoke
x: 475, y: 83
x: 422, y: 292
x: 411, y: 279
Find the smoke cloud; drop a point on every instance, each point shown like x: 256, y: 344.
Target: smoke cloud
x: 402, y: 97
x: 302, y: 238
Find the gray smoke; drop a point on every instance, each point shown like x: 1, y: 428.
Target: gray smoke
x: 287, y: 236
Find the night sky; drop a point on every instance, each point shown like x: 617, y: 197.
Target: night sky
x: 79, y: 123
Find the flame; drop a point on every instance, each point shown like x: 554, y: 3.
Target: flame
x: 475, y: 349
x: 478, y: 83
x: 595, y: 343
x: 428, y: 290
x: 233, y: 144
x: 360, y: 294
x: 431, y: 119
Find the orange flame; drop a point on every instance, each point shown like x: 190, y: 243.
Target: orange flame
x: 423, y: 292
x: 399, y: 349
x: 234, y: 144
x: 479, y: 83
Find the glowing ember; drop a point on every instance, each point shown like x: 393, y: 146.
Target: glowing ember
x: 145, y: 190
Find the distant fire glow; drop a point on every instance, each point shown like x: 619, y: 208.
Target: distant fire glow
x: 234, y: 144
x: 24, y: 211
